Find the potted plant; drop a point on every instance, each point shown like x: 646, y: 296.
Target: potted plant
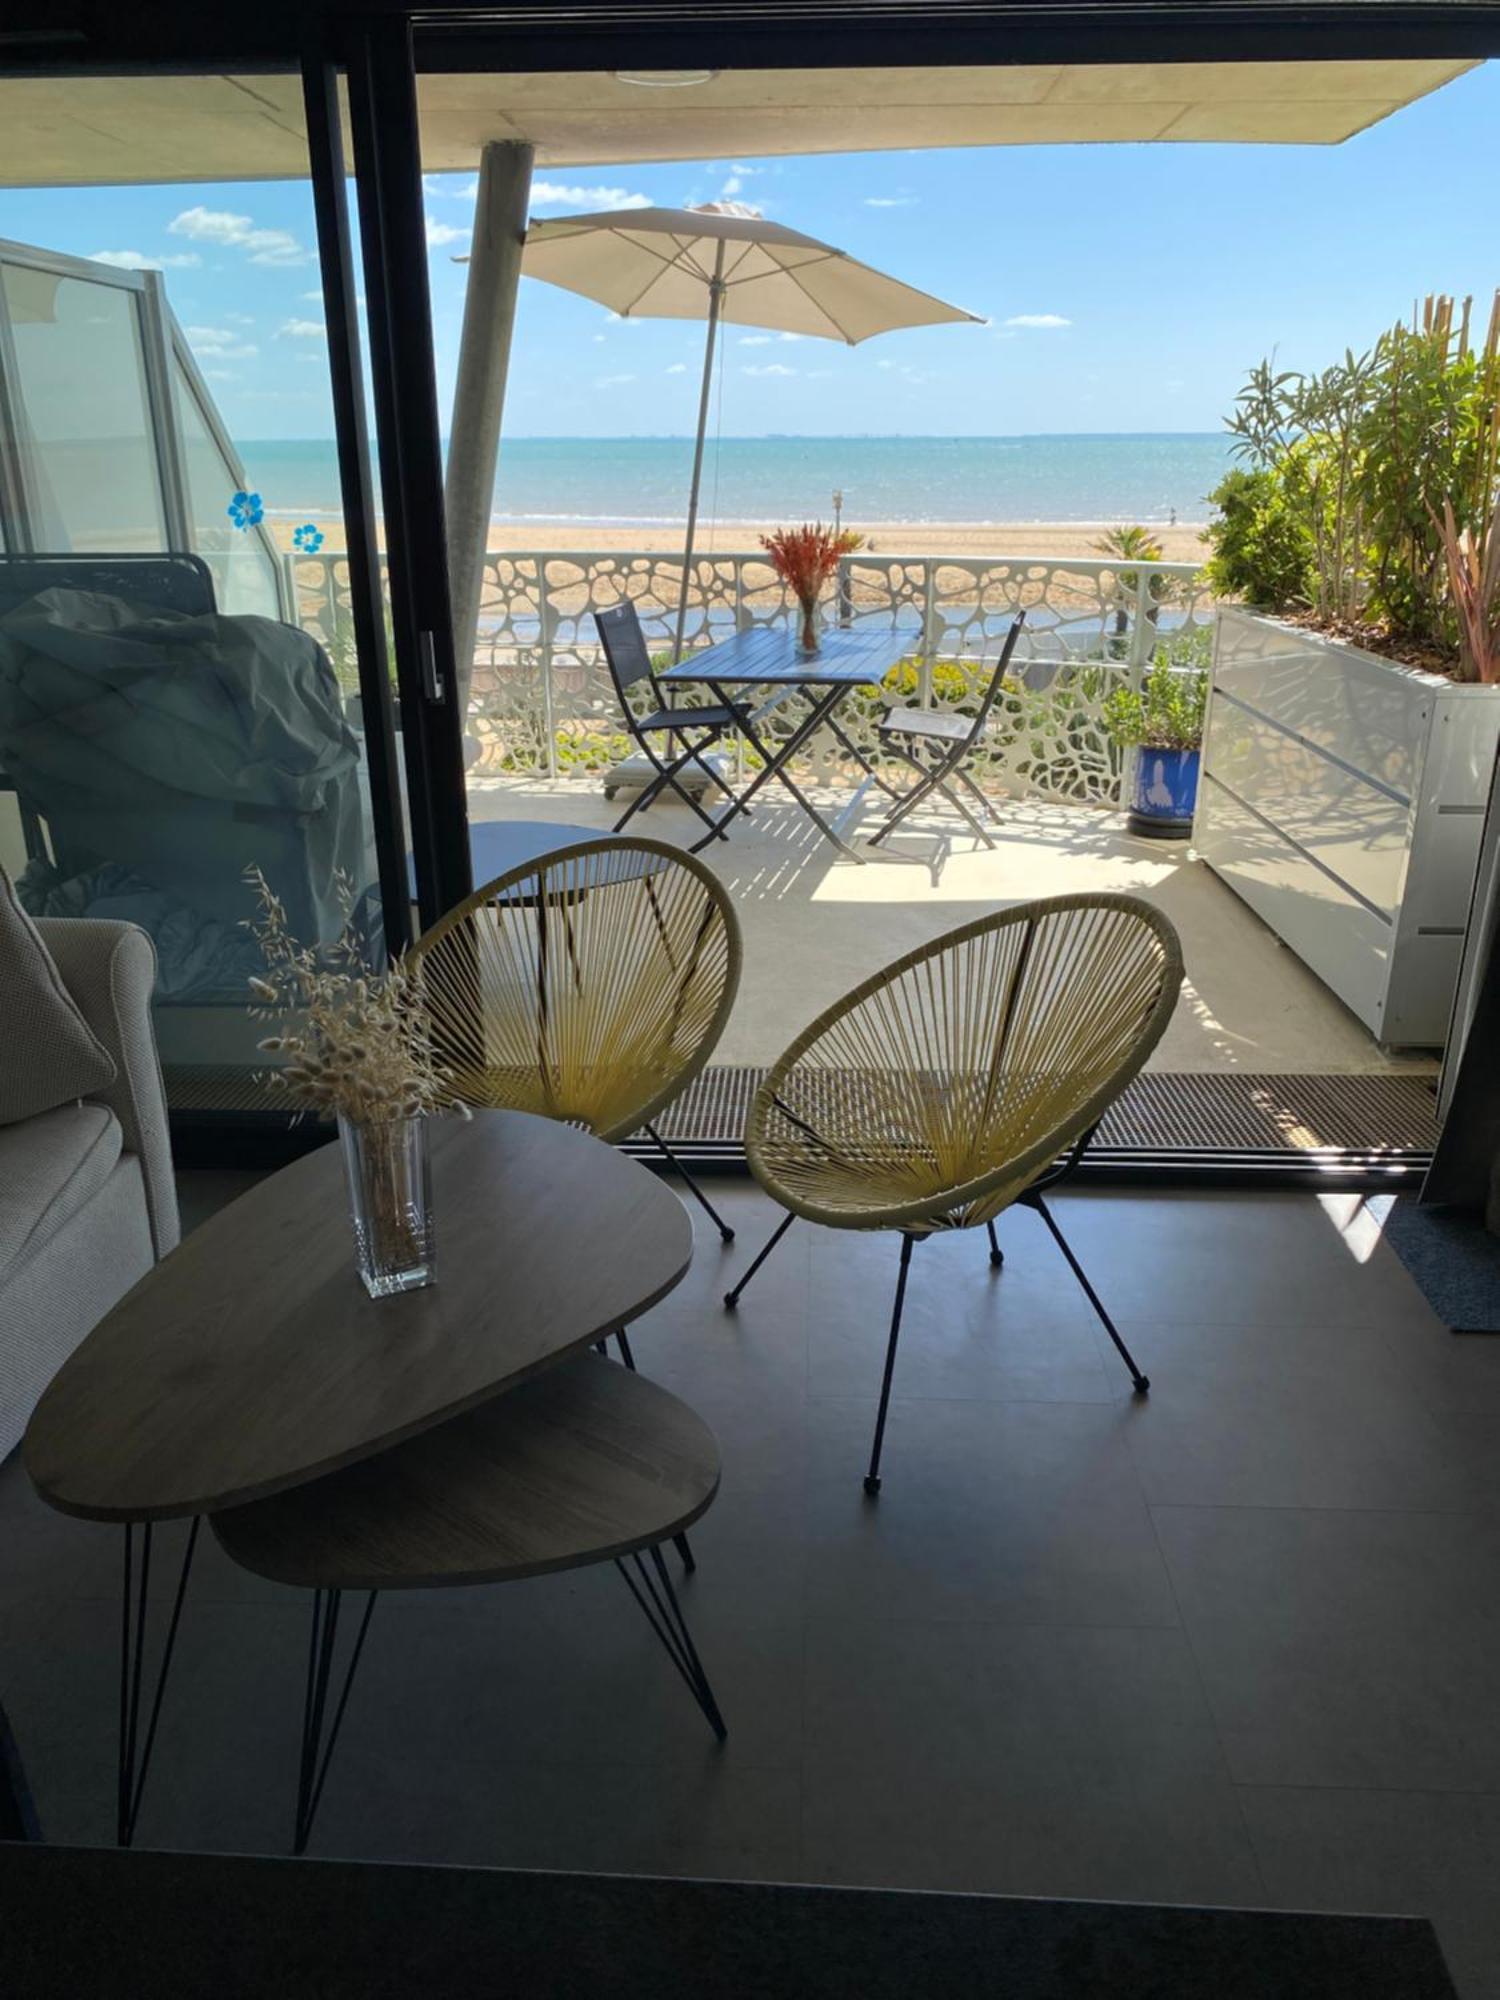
x: 1353, y: 720
x: 354, y: 1045
x: 805, y: 558
x: 1162, y: 720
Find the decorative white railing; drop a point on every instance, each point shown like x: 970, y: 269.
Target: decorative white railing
x: 541, y: 701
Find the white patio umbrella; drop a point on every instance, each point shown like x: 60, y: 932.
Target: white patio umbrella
x: 722, y: 262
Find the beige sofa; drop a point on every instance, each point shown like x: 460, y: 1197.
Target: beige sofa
x: 87, y: 1200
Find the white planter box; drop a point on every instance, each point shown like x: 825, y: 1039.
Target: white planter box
x: 1343, y: 798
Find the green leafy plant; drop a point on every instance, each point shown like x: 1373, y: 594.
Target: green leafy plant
x: 1165, y: 712
x: 1428, y: 438
x: 1340, y: 507
x: 1262, y: 549
x: 1303, y: 429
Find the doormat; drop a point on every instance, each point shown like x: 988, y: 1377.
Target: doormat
x: 1171, y: 1112
x: 1453, y: 1260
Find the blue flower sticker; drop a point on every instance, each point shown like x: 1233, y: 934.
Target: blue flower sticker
x: 307, y: 538
x: 245, y: 510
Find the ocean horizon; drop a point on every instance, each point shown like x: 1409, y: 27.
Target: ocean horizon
x: 1153, y: 477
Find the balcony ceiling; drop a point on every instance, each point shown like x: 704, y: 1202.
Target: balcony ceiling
x: 91, y: 131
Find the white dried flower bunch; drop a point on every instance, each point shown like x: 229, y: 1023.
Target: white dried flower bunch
x: 355, y: 1043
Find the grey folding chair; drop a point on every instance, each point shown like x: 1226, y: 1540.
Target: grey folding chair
x: 688, y: 732
x: 936, y: 743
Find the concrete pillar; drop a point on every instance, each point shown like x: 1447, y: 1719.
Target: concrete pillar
x: 479, y: 390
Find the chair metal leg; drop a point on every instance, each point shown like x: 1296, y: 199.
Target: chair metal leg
x: 1142, y: 1382
x: 872, y: 1477
x: 732, y: 1298
x: 986, y: 804
x: 679, y: 1542
x: 666, y: 779
x: 976, y: 827
x: 653, y: 1592
x: 997, y: 1255
x: 134, y: 1752
x: 927, y: 783
x: 317, y: 1752
x: 692, y: 1186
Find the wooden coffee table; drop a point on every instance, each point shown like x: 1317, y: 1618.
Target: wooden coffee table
x: 251, y: 1363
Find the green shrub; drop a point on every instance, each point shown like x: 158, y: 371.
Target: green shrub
x: 1165, y: 712
x: 1349, y: 474
x: 1262, y: 552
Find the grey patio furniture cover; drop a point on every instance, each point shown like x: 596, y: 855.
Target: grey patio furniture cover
x: 165, y: 752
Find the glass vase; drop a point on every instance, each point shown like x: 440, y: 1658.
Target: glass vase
x: 390, y: 1203
x: 810, y: 628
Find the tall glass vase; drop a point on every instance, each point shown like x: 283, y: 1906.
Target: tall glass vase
x: 810, y: 628
x: 390, y: 1203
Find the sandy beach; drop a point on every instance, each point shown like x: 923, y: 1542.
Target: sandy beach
x: 1183, y: 543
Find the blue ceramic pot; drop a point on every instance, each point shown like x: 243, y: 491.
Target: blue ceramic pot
x: 1164, y: 793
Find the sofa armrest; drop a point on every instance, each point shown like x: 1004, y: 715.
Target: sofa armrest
x: 110, y: 969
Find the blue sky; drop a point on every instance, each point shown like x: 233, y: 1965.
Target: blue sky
x: 1127, y: 288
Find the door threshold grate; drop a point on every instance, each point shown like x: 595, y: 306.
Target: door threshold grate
x: 1172, y: 1113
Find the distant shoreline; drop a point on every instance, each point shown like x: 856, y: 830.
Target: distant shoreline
x: 1033, y: 540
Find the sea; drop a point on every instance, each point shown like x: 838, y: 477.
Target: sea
x: 1150, y: 477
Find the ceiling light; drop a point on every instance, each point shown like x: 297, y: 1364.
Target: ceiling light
x: 664, y: 79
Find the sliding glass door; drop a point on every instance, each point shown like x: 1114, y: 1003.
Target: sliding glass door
x: 193, y: 666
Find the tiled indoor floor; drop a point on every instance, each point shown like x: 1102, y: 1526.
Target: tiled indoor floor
x: 1234, y: 1644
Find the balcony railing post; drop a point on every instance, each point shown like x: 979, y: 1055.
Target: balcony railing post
x: 1142, y: 627
x: 929, y: 635
x: 549, y: 720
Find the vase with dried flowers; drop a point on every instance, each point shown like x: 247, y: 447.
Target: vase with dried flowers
x: 355, y: 1046
x: 805, y: 558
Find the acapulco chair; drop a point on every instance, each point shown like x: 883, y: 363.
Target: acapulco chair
x: 588, y: 985
x: 965, y: 1077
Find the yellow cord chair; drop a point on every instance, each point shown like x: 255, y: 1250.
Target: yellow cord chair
x: 589, y: 985
x: 967, y: 1076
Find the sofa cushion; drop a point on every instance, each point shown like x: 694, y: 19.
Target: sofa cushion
x: 51, y: 1055
x: 50, y: 1166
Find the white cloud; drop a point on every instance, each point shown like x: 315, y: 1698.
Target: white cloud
x: 755, y: 340
x: 734, y: 185
x: 561, y: 194
x: 312, y: 298
x: 238, y: 232
x: 788, y: 336
x: 885, y: 364
x: 439, y: 233
x: 434, y: 184
x: 240, y: 319
x: 220, y: 375
x: 137, y: 260
x: 220, y: 342
x: 676, y: 368
x: 301, y: 329
x: 771, y: 368
x: 739, y: 167
x: 890, y: 201
x: 1037, y: 319
x: 612, y: 381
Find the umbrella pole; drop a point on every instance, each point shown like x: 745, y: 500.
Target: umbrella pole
x: 715, y: 302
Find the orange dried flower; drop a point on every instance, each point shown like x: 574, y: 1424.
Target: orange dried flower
x: 804, y: 558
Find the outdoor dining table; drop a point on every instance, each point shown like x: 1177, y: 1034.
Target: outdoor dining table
x: 768, y: 656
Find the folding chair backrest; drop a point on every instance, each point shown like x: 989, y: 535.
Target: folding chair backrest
x: 997, y: 680
x: 624, y: 646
